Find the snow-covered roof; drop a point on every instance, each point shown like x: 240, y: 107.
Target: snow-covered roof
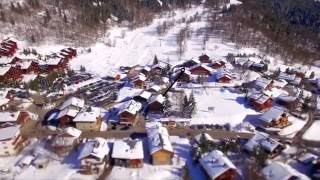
x: 206, y: 137
x: 5, y: 60
x: 195, y: 60
x: 155, y: 88
x: 66, y: 137
x: 73, y: 101
x: 88, y: 114
x: 145, y: 95
x: 24, y: 64
x: 223, y: 73
x: 97, y: 147
x: 158, y: 139
x: 281, y: 171
x: 140, y: 77
x: 50, y: 61
x: 261, y: 140
x: 4, y: 70
x: 71, y: 131
x: 286, y: 98
x: 9, y: 116
x: 262, y: 83
x: 216, y: 163
x: 156, y: 98
x: 201, y: 65
x: 259, y: 97
x: 131, y: 107
x: 127, y: 149
x: 273, y: 113
x: 9, y: 132
x: 287, y: 77
x: 69, y: 111
x: 3, y: 95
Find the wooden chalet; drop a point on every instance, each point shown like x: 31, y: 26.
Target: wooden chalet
x: 88, y: 119
x: 260, y: 101
x: 204, y: 58
x: 94, y: 156
x: 69, y: 110
x: 65, y: 140
x: 200, y: 69
x: 223, y: 76
x: 292, y: 103
x: 128, y: 153
x: 9, y: 73
x: 139, y: 81
x: 274, y: 118
x: 128, y: 112
x: 263, y: 141
x: 218, y: 64
x: 8, y: 48
x: 217, y: 166
x: 28, y: 66
x: 159, y: 144
x: 156, y: 103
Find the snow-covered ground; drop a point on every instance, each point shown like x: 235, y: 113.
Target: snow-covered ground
x: 312, y: 132
x: 220, y: 106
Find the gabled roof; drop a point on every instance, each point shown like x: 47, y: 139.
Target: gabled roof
x: 9, y: 132
x: 4, y: 70
x: 144, y: 94
x: 9, y: 116
x: 286, y: 98
x: 131, y: 107
x: 272, y: 114
x: 281, y: 171
x: 73, y: 101
x: 259, y: 97
x: 51, y: 61
x: 25, y: 64
x: 127, y: 149
x: 5, y: 60
x: 69, y: 111
x: 97, y: 148
x: 88, y: 114
x: 158, y: 139
x: 223, y: 73
x: 262, y: 83
x: 156, y: 98
x: 261, y: 140
x: 216, y: 163
x: 140, y: 77
x: 202, y: 66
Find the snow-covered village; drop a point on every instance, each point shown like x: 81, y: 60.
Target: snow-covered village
x: 164, y: 101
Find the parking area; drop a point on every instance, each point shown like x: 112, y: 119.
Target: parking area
x: 102, y: 92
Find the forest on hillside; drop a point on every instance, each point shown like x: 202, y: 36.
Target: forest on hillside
x: 286, y: 27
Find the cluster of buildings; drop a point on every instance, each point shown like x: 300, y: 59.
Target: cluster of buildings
x: 13, y: 66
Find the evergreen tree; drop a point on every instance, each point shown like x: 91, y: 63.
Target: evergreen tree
x: 155, y: 60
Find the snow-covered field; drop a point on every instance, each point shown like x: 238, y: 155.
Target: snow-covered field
x: 312, y: 133
x: 220, y: 106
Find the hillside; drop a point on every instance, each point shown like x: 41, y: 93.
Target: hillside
x: 286, y: 28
